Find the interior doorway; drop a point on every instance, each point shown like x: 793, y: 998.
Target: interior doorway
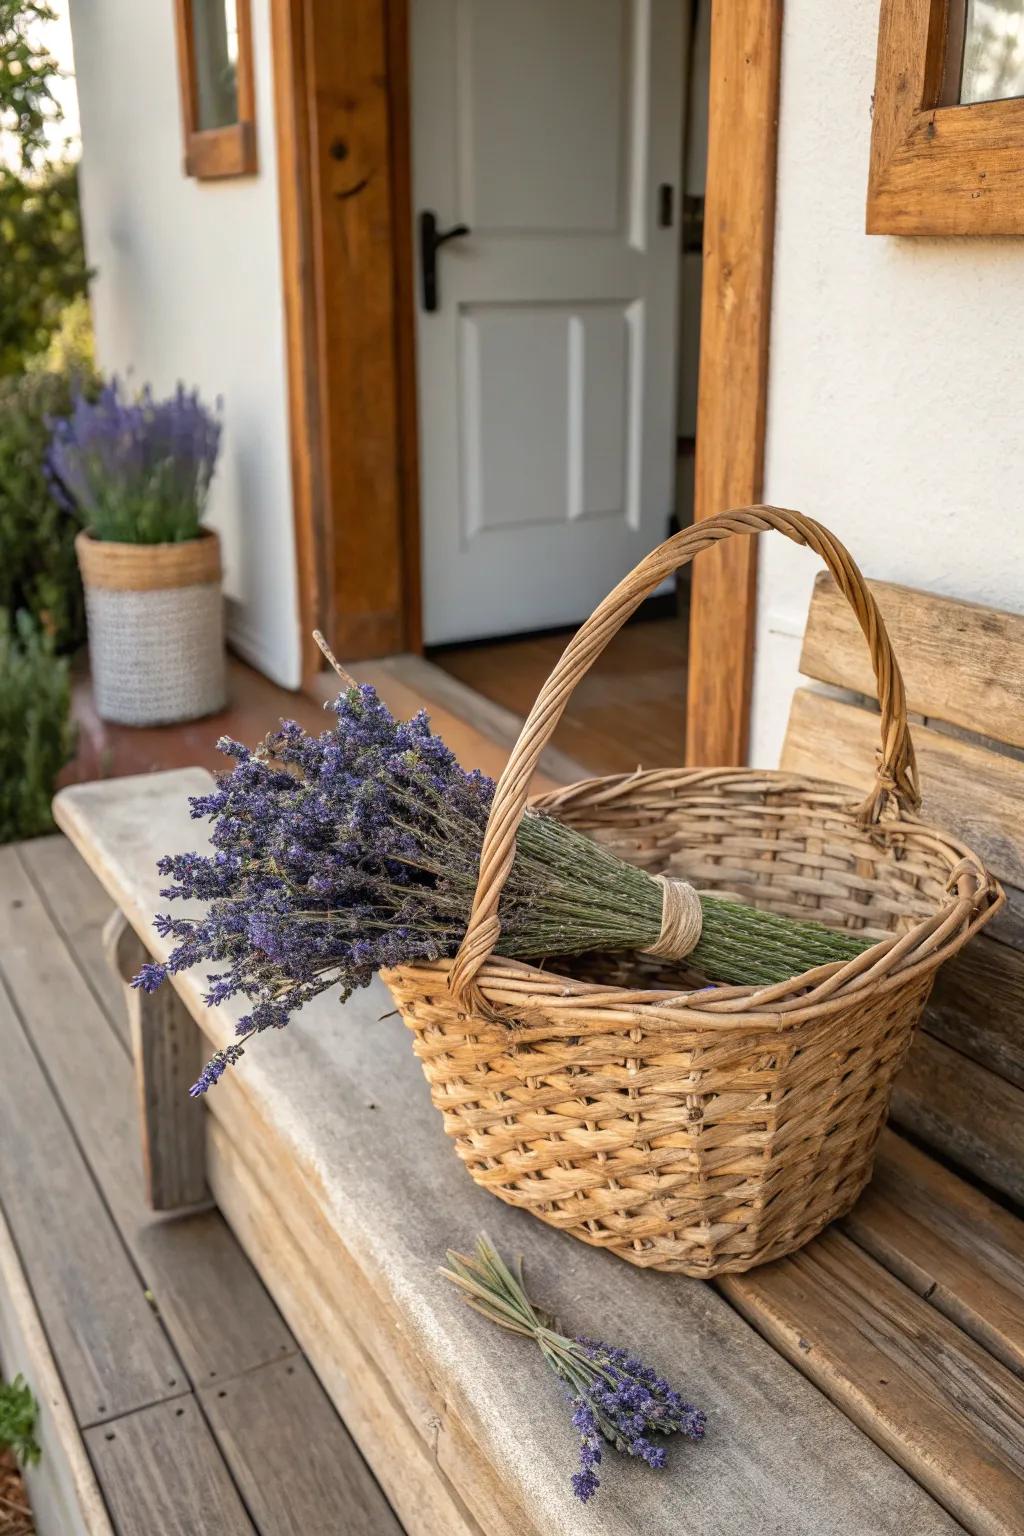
x: 353, y: 277
x: 632, y: 707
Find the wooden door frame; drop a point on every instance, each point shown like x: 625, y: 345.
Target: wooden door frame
x: 377, y: 536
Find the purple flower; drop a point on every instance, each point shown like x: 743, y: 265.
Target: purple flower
x: 614, y: 1397
x: 137, y: 470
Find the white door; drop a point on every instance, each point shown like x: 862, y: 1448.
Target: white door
x: 552, y: 130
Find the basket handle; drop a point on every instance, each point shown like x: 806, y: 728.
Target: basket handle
x: 896, y: 773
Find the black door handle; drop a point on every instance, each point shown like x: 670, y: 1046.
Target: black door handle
x: 431, y: 241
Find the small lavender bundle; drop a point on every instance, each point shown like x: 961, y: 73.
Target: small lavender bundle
x: 614, y: 1397
x: 335, y: 856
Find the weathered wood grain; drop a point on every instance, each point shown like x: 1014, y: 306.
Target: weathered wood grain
x: 1007, y: 927
x: 978, y: 997
x: 162, y: 1474
x: 396, y: 1413
x: 967, y: 789
x: 961, y: 662
x: 950, y: 1243
x: 937, y: 1402
x: 113, y: 1352
x: 278, y: 1420
x: 79, y: 908
x: 357, y: 1197
x: 977, y: 1006
x: 936, y: 168
x: 739, y: 224
x: 62, y: 1489
x: 968, y: 1113
x: 167, y: 1051
x: 220, y: 1318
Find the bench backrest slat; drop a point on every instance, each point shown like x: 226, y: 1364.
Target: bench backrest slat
x: 963, y: 1091
x: 961, y: 662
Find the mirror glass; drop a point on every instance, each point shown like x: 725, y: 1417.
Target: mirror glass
x: 215, y: 51
x: 993, y: 51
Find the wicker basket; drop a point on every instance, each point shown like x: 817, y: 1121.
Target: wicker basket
x: 700, y: 1131
x: 156, y: 628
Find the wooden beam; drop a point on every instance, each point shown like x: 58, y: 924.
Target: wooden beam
x: 288, y: 45
x: 356, y: 264
x: 341, y: 89
x: 738, y: 234
x: 168, y: 1052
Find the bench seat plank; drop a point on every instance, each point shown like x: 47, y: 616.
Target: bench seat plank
x: 949, y: 1242
x: 919, y: 1386
x: 335, y: 1108
x: 219, y: 1329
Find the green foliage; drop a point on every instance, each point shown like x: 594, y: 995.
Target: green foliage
x: 36, y: 733
x: 37, y: 553
x: 27, y: 102
x: 38, y: 570
x: 43, y: 265
x: 72, y: 348
x: 18, y: 1413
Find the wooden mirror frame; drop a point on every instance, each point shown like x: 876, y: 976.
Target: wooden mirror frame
x: 937, y: 169
x: 211, y: 153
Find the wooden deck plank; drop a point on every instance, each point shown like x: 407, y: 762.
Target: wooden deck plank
x: 277, y: 1420
x: 948, y: 1242
x: 935, y: 1400
x: 163, y: 1475
x: 973, y: 1117
x: 961, y: 662
x: 79, y: 907
x: 62, y: 1488
x: 215, y: 1308
x: 113, y: 1353
x: 336, y: 1110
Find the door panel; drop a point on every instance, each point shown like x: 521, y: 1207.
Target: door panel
x: 514, y: 63
x: 547, y: 372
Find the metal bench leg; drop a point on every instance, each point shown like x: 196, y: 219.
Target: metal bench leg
x: 168, y: 1049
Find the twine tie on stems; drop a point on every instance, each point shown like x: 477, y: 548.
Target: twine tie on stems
x: 681, y: 920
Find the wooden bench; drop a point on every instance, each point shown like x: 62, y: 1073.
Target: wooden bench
x: 326, y: 1157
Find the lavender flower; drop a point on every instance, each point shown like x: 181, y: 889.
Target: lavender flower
x: 339, y: 855
x: 136, y: 470
x: 614, y: 1397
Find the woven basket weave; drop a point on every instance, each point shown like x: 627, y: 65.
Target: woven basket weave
x: 156, y: 628
x: 682, y: 1128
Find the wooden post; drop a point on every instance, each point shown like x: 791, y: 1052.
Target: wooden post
x: 168, y: 1050
x: 732, y: 394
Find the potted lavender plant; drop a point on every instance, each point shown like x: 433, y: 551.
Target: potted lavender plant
x: 137, y: 472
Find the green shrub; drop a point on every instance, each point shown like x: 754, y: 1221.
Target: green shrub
x: 36, y: 733
x: 18, y: 1412
x: 38, y: 571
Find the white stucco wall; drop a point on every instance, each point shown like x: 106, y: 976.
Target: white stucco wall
x: 896, y: 401
x: 188, y: 287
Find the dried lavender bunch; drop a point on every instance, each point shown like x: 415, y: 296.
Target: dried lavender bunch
x: 337, y: 855
x: 614, y: 1397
